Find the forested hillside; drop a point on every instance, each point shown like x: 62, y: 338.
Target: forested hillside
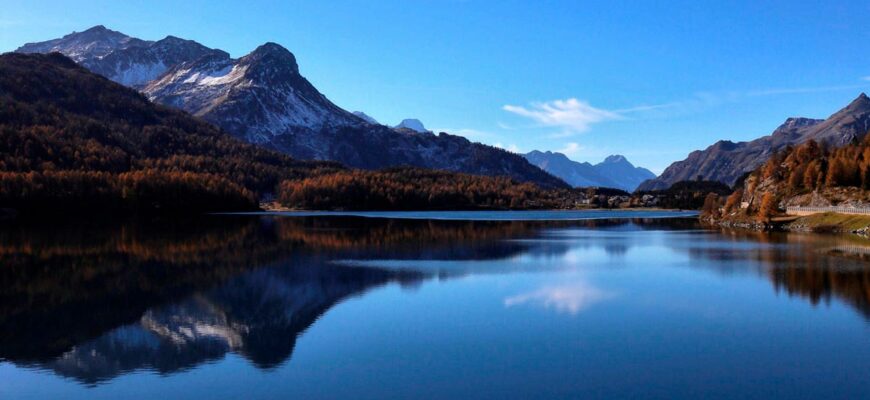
x: 810, y: 174
x: 417, y: 189
x: 71, y: 140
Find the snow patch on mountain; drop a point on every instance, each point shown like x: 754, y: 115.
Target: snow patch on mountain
x: 137, y: 74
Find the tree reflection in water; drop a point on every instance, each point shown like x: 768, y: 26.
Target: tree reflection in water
x: 94, y: 301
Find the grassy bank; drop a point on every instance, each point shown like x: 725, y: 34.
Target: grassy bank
x: 830, y: 222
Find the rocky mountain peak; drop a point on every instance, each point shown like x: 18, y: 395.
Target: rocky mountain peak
x: 860, y: 104
x: 272, y: 54
x: 263, y: 98
x: 97, y: 28
x: 412, y: 124
x: 98, y: 32
x: 95, y: 42
x: 615, y: 159
x: 798, y: 122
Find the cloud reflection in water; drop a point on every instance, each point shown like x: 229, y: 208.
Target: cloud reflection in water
x: 566, y: 298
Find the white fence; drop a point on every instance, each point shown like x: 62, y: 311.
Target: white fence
x: 836, y: 209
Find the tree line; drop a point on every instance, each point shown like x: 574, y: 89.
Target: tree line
x: 411, y: 188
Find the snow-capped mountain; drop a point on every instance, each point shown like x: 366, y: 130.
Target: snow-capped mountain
x: 263, y: 98
x: 123, y: 59
x: 94, y: 43
x: 412, y: 124
x: 614, y: 172
x: 256, y: 97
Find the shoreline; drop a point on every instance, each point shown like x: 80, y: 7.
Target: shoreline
x: 821, y: 223
x: 275, y: 207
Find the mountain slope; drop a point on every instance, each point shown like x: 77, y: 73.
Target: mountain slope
x: 262, y: 98
x: 256, y: 97
x: 614, y: 172
x: 72, y: 139
x: 725, y: 161
x: 574, y: 173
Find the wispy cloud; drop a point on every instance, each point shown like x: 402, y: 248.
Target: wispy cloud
x: 704, y: 100
x: 569, y: 298
x: 571, y: 149
x: 818, y: 89
x: 570, y: 115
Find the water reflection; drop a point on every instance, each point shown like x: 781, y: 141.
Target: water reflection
x: 92, y: 302
x: 569, y: 298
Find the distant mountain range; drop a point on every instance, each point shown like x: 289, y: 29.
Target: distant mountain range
x: 614, y: 172
x: 726, y: 161
x: 262, y: 98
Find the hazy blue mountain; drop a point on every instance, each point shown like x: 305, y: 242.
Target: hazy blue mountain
x: 618, y: 169
x: 412, y: 124
x: 614, y: 172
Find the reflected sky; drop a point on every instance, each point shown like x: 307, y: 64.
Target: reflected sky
x: 337, y: 307
x: 569, y: 298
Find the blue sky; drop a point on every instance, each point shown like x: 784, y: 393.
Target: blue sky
x: 649, y: 80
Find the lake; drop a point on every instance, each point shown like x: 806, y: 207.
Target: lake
x: 417, y: 305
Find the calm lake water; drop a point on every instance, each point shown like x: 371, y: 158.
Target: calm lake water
x: 340, y: 306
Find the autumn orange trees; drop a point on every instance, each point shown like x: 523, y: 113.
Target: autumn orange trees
x: 71, y: 140
x: 410, y: 189
x: 810, y: 167
x: 711, y: 206
x: 768, y: 208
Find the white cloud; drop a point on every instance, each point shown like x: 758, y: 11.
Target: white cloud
x: 572, y: 115
x: 866, y: 78
x: 570, y: 298
x: 513, y: 148
x: 571, y: 149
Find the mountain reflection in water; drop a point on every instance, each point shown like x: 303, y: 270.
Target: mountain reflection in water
x: 94, y: 301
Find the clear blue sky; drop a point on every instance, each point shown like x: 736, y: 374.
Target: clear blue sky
x: 648, y: 80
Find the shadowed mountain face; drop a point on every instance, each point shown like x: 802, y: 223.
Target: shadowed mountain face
x: 258, y: 315
x: 725, y: 161
x: 263, y: 98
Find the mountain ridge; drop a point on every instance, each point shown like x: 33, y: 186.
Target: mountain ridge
x: 726, y: 161
x: 614, y: 172
x: 262, y: 98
